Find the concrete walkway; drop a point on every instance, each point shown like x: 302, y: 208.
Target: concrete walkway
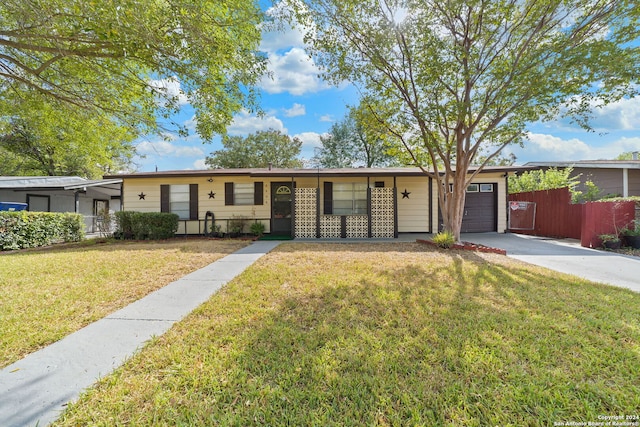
x: 566, y: 256
x: 36, y: 389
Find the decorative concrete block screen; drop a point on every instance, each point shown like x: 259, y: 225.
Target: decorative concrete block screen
x: 330, y: 226
x: 382, y: 212
x: 357, y: 226
x: 305, y: 212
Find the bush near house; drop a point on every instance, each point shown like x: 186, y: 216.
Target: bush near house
x: 146, y: 225
x: 19, y: 230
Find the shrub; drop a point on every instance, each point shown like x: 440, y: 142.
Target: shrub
x: 237, y: 224
x: 257, y: 229
x: 146, y: 225
x: 19, y: 230
x: 444, y: 239
x: 633, y: 229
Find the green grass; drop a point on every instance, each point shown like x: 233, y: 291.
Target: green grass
x: 48, y: 293
x: 384, y: 335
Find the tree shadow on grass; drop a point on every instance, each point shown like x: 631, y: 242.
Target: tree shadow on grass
x: 453, y: 339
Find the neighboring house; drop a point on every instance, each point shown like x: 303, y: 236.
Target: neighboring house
x: 315, y: 203
x: 612, y: 177
x: 63, y: 194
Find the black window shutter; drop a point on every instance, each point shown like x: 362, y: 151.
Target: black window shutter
x: 258, y: 193
x: 193, y: 201
x: 165, y: 205
x: 328, y: 198
x: 228, y: 193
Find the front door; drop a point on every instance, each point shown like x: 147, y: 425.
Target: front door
x: 281, y: 208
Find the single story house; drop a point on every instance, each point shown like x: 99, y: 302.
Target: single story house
x: 315, y: 203
x: 612, y: 177
x: 63, y: 194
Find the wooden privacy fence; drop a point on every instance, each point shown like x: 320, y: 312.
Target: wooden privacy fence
x: 604, y: 218
x: 556, y: 216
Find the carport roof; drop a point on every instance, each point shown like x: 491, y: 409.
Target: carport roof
x: 54, y: 182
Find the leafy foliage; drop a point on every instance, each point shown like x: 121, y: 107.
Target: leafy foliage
x: 146, y: 225
x: 356, y: 140
x: 540, y: 179
x: 257, y: 150
x: 257, y: 228
x: 453, y: 80
x: 549, y: 179
x: 20, y: 230
x: 627, y: 155
x: 444, y: 239
x: 46, y: 137
x: 133, y: 60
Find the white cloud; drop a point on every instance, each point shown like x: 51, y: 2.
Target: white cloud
x: 285, y: 38
x: 191, y: 123
x: 167, y: 148
x: 615, y: 148
x: 279, y: 33
x: 310, y: 139
x: 326, y: 118
x: 557, y: 147
x: 296, y: 110
x: 293, y: 72
x: 170, y: 88
x: 246, y: 123
x: 200, y: 164
x: 544, y: 147
x: 621, y: 115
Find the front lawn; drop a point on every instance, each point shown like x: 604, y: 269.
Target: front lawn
x: 385, y: 334
x: 48, y: 293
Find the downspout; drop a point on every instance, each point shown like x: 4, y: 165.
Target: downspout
x: 625, y: 182
x: 318, y: 206
x: 369, y: 212
x: 292, y: 232
x: 430, y: 205
x: 506, y: 189
x: 395, y: 208
x: 122, y: 195
x: 76, y: 196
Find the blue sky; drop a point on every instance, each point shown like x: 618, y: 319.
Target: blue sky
x: 299, y: 103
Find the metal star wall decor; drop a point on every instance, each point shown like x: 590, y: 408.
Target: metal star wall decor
x: 405, y: 194
x: 212, y: 195
x: 141, y: 196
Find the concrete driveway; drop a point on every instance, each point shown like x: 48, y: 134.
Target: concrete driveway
x: 566, y: 256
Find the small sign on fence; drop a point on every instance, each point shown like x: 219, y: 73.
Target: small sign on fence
x: 522, y: 215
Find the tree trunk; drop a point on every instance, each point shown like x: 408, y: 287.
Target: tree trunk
x: 451, y: 201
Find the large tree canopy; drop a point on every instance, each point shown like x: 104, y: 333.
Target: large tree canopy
x: 53, y: 138
x: 258, y: 150
x: 457, y: 78
x: 125, y: 58
x: 356, y: 140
